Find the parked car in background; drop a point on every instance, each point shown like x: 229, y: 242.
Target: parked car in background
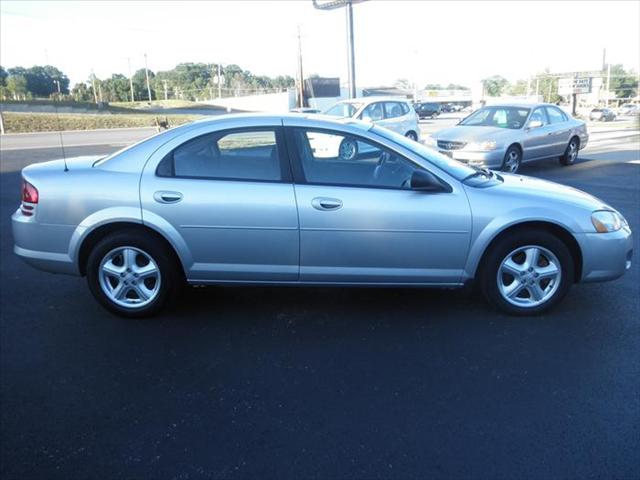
x: 304, y: 110
x: 393, y: 113
x: 427, y: 109
x: 245, y: 199
x: 631, y: 109
x: 602, y: 114
x: 505, y: 136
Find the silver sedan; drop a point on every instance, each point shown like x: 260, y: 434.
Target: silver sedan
x: 250, y: 199
x: 502, y: 137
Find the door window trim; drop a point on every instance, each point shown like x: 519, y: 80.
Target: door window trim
x: 298, y: 170
x: 281, y: 146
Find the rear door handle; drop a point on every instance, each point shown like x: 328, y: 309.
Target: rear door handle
x: 324, y: 203
x: 167, y: 197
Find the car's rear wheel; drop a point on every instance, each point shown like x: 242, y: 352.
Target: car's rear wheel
x: 571, y: 152
x: 131, y: 274
x: 526, y: 273
x: 512, y: 159
x: 411, y: 135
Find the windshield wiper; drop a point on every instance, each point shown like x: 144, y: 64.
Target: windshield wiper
x: 479, y: 172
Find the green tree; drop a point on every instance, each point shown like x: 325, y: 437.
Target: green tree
x: 82, y: 92
x: 624, y: 83
x: 3, y: 76
x: 402, y: 83
x: 495, y: 86
x: 140, y: 85
x: 521, y: 87
x: 116, y: 88
x: 17, y: 86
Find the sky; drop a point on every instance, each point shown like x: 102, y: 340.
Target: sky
x: 422, y: 41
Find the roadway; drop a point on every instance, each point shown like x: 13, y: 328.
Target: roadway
x: 322, y: 383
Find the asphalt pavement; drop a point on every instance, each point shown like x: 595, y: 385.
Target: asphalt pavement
x: 319, y: 382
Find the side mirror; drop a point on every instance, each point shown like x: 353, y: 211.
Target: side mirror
x: 534, y: 124
x: 424, y: 181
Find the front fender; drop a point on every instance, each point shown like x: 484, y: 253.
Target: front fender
x: 488, y: 232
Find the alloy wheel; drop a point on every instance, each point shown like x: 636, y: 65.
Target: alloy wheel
x: 129, y: 277
x: 512, y: 162
x: 573, y: 151
x: 529, y: 276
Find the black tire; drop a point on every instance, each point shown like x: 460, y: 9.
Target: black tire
x: 502, y: 248
x: 169, y: 280
x: 512, y: 160
x: 570, y: 154
x: 411, y: 135
x: 348, y: 149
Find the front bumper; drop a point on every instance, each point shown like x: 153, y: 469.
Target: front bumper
x: 490, y: 159
x: 605, y: 256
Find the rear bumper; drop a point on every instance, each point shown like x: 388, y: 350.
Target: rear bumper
x: 44, y: 247
x: 605, y: 256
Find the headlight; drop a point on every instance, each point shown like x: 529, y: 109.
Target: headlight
x: 430, y: 141
x: 481, y: 146
x: 605, y: 221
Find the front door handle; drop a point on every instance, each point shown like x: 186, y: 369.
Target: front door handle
x: 167, y: 197
x: 324, y: 203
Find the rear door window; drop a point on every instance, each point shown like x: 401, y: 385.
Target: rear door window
x: 393, y: 109
x: 232, y: 155
x: 555, y: 115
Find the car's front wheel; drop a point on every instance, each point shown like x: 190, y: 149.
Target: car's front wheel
x: 526, y: 273
x: 131, y: 274
x: 512, y: 160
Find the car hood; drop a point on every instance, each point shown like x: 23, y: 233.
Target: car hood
x: 549, y: 191
x: 462, y: 133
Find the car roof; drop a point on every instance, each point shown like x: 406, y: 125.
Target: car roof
x: 523, y: 105
x: 374, y: 99
x: 235, y: 120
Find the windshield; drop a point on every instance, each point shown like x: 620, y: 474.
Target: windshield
x: 343, y: 110
x: 501, y: 117
x: 456, y: 169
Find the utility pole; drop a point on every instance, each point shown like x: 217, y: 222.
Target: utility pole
x: 130, y: 79
x: 219, y: 80
x: 93, y: 85
x: 608, y: 81
x: 166, y: 95
x: 537, y: 87
x: 146, y: 71
x: 331, y: 5
x: 300, y: 75
x: 351, y: 55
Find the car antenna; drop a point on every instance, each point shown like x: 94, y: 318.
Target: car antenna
x: 55, y: 109
x: 64, y: 154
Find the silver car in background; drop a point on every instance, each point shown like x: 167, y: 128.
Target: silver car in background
x: 247, y: 199
x: 396, y: 114
x: 502, y: 137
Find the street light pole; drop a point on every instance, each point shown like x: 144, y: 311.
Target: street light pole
x: 350, y: 53
x: 331, y: 5
x: 146, y: 71
x: 130, y: 79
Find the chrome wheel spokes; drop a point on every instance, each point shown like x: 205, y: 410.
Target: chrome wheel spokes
x: 573, y: 151
x: 529, y: 276
x: 513, y: 161
x: 129, y: 277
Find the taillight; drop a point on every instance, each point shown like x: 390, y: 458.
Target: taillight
x: 29, y: 192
